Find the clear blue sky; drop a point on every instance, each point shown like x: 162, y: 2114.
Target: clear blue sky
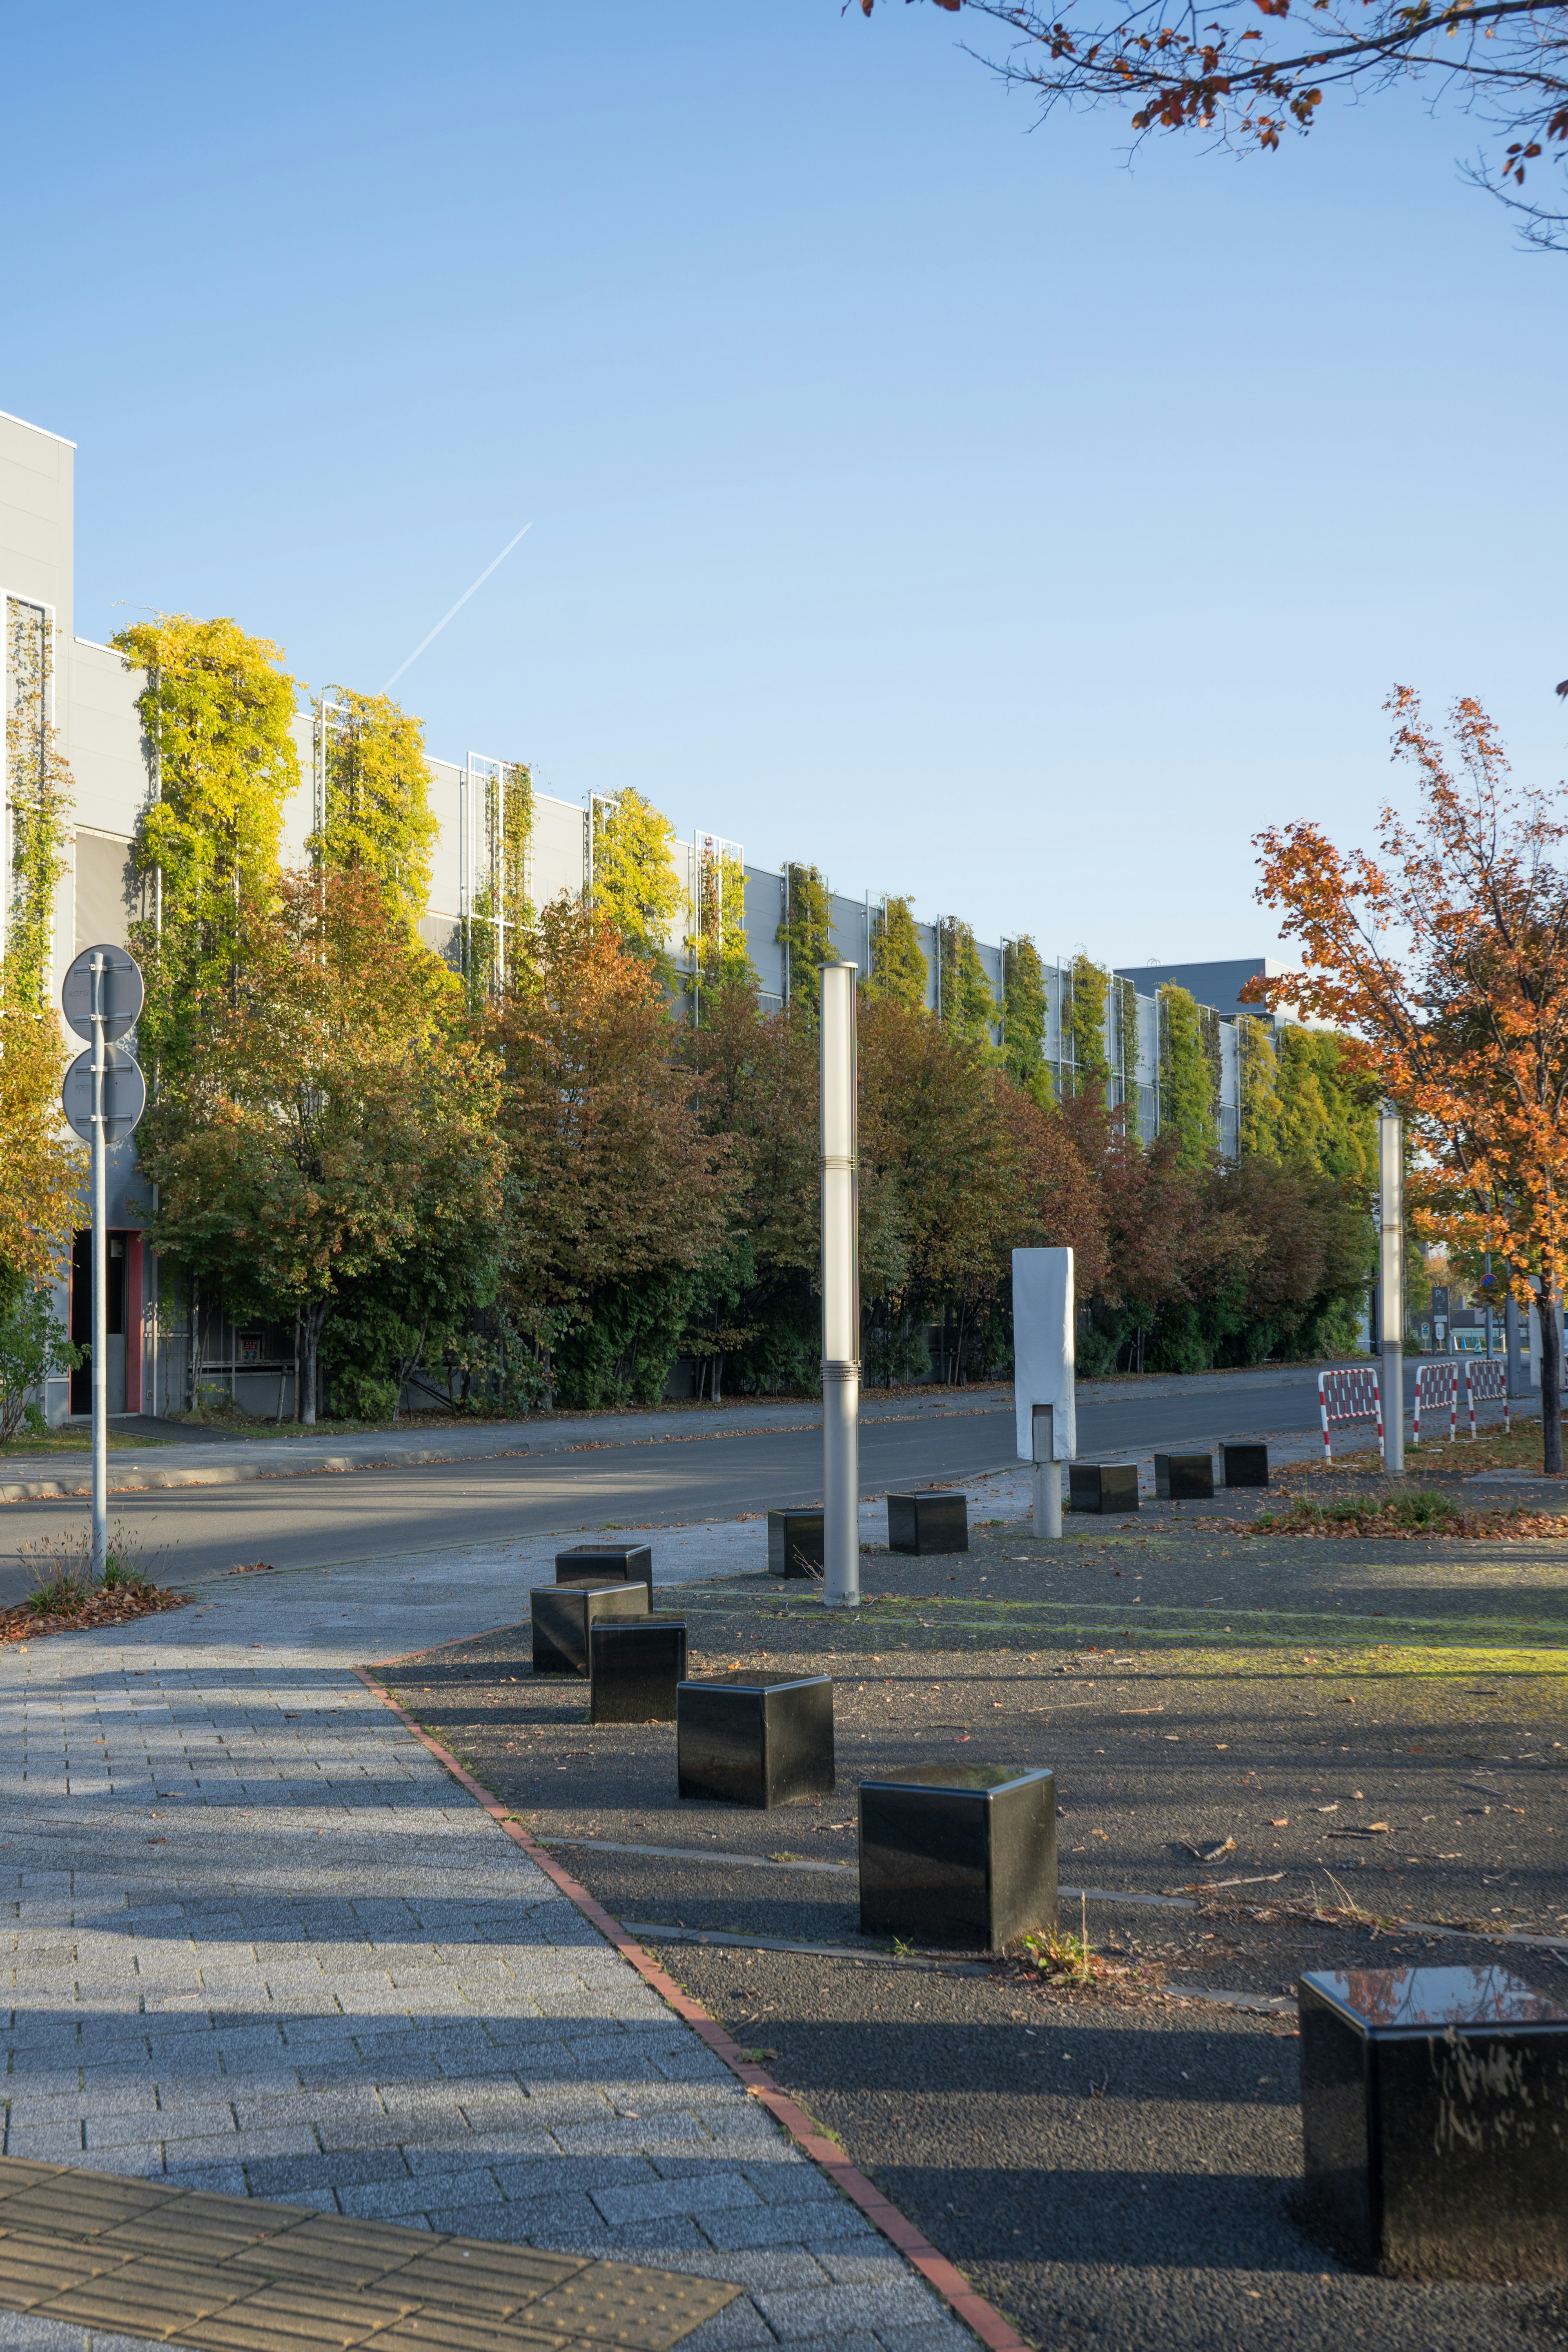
x: 913, y: 492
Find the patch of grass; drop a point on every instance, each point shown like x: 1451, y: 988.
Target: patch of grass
x: 1407, y: 1514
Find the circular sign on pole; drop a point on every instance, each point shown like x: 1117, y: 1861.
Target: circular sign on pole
x: 124, y: 1094
x: 123, y: 992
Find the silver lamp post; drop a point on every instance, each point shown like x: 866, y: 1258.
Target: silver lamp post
x: 840, y: 1294
x: 1391, y: 1285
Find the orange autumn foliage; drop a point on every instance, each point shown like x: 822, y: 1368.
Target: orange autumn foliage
x: 1445, y: 955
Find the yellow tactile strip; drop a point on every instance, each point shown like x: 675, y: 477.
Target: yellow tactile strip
x: 233, y: 2274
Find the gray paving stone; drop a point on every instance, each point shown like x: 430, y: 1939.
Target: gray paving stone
x: 801, y: 2315
x: 944, y: 2335
x: 713, y: 2192
x: 812, y: 2226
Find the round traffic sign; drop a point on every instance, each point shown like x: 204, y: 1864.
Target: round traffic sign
x: 123, y: 992
x: 124, y: 1093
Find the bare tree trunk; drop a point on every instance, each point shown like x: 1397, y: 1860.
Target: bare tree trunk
x: 1551, y: 1319
x: 313, y: 1321
x: 718, y: 1380
x: 299, y: 1397
x: 409, y: 1369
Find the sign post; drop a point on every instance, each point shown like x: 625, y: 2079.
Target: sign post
x: 103, y: 1096
x: 1043, y: 1375
x: 1391, y: 1285
x: 840, y: 1295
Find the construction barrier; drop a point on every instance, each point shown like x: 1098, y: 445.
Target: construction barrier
x: 1437, y: 1385
x: 1488, y: 1381
x: 1350, y: 1395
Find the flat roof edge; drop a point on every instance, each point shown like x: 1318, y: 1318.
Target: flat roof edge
x: 28, y: 423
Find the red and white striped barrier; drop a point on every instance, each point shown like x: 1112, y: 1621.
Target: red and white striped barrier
x: 1437, y: 1385
x: 1487, y: 1380
x: 1350, y: 1395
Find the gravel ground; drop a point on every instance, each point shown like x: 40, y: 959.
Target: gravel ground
x: 1288, y: 1695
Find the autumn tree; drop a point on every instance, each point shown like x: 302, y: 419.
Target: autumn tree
x: 376, y: 817
x: 216, y: 708
x: 759, y: 1100
x: 716, y: 943
x: 1246, y: 85
x: 898, y: 973
x: 966, y: 1003
x: 1188, y: 1078
x: 1087, y: 997
x: 617, y: 1198
x: 635, y: 886
x: 331, y: 1141
x: 806, y: 935
x: 1026, y: 1010
x: 1446, y: 954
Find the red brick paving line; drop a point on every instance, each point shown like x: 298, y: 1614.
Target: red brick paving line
x: 949, y: 2282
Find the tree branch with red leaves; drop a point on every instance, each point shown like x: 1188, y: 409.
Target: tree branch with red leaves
x: 1248, y: 72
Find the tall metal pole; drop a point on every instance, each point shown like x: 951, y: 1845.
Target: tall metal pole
x: 1391, y: 1287
x: 840, y: 1295
x: 99, y: 1286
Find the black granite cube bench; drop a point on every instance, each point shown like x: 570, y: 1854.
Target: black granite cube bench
x: 635, y: 1667
x: 958, y: 1855
x: 564, y: 1615
x: 1245, y: 1466
x: 1102, y: 1486
x: 1183, y: 1478
x: 923, y: 1522
x: 607, y: 1564
x: 745, y: 1739
x: 795, y: 1543
x: 1434, y: 2110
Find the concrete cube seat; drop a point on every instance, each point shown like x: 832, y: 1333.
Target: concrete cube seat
x: 1434, y: 2113
x: 763, y: 1740
x: 1185, y: 1477
x: 636, y: 1665
x: 564, y: 1615
x: 607, y: 1564
x: 961, y: 1856
x: 1102, y: 1486
x: 1245, y: 1464
x: 923, y: 1522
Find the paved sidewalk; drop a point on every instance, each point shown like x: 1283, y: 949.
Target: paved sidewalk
x: 262, y: 1943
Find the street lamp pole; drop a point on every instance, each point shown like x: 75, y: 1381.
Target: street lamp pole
x: 1391, y: 1287
x: 840, y: 1294
x: 98, y: 971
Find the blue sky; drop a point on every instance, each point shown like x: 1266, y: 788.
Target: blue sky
x: 914, y: 492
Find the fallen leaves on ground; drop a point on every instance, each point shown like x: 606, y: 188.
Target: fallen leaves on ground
x: 115, y: 1607
x: 1408, y: 1518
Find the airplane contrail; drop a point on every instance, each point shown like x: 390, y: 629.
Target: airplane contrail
x: 457, y: 608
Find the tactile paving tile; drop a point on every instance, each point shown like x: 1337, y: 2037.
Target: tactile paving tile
x: 235, y: 2274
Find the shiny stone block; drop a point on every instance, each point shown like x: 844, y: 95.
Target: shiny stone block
x: 795, y: 1543
x: 921, y: 1523
x: 958, y: 1855
x: 1102, y: 1486
x: 755, y: 1740
x: 564, y: 1615
x: 1435, y: 2112
x: 607, y: 1564
x: 636, y: 1665
x: 1245, y: 1466
x: 1183, y: 1478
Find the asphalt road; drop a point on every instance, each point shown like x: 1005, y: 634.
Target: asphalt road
x: 694, y: 1474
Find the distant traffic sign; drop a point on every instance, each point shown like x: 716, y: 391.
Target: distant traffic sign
x: 123, y: 992
x: 124, y: 1093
